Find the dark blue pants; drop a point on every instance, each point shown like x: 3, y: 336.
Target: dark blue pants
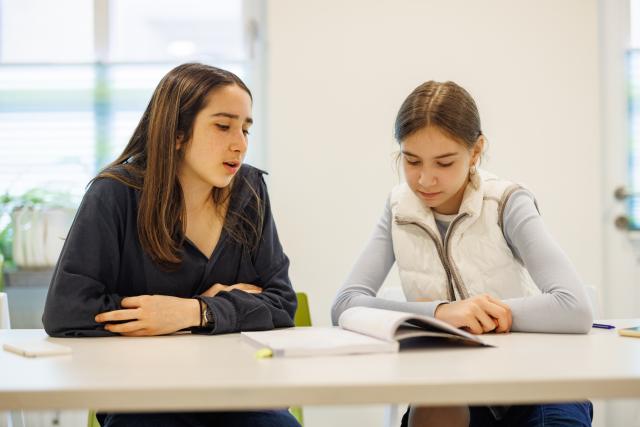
x: 281, y: 418
x: 578, y: 414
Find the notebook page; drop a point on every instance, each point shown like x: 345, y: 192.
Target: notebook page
x: 318, y: 341
x: 381, y: 324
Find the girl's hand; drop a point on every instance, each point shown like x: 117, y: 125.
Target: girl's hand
x: 213, y: 290
x: 152, y: 315
x: 478, y: 314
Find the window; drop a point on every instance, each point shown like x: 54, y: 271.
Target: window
x: 633, y: 74
x: 75, y: 76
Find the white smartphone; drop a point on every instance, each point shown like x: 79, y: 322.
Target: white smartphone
x: 36, y: 348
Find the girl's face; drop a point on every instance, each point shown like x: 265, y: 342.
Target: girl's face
x: 436, y: 167
x: 219, y: 138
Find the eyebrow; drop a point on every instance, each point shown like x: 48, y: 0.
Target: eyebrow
x: 232, y: 116
x: 441, y: 156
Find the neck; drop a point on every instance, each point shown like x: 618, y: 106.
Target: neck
x: 197, y: 195
x: 452, y: 206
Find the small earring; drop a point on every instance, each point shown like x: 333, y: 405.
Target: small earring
x: 472, y: 170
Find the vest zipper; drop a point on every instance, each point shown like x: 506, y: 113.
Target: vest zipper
x: 453, y: 277
x: 462, y: 289
x: 441, y: 252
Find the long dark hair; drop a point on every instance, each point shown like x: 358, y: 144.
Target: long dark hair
x: 446, y: 106
x: 150, y: 161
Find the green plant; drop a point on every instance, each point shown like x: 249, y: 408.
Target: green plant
x: 36, y: 197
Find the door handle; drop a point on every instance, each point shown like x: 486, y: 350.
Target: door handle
x: 622, y: 222
x: 622, y: 193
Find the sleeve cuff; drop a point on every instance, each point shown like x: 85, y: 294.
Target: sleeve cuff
x: 223, y: 316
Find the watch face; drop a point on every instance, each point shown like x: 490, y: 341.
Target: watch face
x: 204, y: 315
x: 210, y: 318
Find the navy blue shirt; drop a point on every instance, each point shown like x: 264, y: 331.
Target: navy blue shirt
x: 102, y: 262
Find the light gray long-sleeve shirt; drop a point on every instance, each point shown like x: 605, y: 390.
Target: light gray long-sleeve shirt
x: 562, y: 307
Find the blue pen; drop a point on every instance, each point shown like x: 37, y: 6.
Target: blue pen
x: 603, y: 326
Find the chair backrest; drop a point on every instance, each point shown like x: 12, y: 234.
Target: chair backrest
x: 302, y: 316
x: 4, y: 312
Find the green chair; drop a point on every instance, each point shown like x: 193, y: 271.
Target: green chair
x: 302, y: 318
x: 93, y: 421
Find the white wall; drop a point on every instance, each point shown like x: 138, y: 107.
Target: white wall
x: 338, y: 71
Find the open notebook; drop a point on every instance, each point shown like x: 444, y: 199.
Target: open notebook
x: 362, y: 330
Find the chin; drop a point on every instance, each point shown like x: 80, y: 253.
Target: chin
x: 219, y: 180
x: 431, y: 205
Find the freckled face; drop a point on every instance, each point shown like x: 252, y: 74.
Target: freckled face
x: 436, y: 168
x: 219, y: 139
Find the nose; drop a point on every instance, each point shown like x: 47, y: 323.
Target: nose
x: 239, y: 143
x: 427, y: 179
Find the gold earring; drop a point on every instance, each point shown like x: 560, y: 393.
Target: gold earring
x: 472, y: 170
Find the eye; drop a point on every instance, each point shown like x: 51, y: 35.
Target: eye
x: 445, y: 165
x: 222, y: 127
x: 246, y: 132
x: 412, y: 162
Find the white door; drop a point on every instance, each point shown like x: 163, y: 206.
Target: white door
x: 620, y: 290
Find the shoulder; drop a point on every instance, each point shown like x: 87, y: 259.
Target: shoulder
x: 499, y: 188
x: 398, y: 193
x: 109, y: 192
x: 251, y: 173
x: 517, y: 207
x: 249, y: 190
x: 520, y: 201
x: 250, y: 179
x: 506, y: 194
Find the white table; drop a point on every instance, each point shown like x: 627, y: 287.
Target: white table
x: 187, y: 372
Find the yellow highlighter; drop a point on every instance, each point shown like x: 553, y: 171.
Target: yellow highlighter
x: 264, y: 353
x: 630, y: 332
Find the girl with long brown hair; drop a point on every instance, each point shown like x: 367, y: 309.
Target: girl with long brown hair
x: 471, y: 250
x: 177, y: 234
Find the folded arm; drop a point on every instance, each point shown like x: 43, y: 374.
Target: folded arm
x: 563, y: 306
x: 89, y: 261
x: 273, y: 307
x: 368, y: 275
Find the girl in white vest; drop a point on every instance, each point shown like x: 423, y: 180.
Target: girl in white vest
x: 471, y: 249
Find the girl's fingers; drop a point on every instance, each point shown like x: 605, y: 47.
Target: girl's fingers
x: 122, y: 328
x: 213, y: 290
x: 132, y: 302
x: 499, y: 302
x: 485, y: 321
x: 506, y: 320
x: 246, y: 287
x: 499, y: 314
x: 252, y: 289
x: 117, y: 315
x: 473, y: 326
x: 476, y: 329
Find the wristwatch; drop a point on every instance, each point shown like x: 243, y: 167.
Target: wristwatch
x: 206, y: 316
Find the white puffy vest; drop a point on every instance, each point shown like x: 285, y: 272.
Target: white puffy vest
x: 474, y: 257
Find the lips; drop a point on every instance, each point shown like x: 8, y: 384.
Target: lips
x: 429, y: 196
x: 232, y: 165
